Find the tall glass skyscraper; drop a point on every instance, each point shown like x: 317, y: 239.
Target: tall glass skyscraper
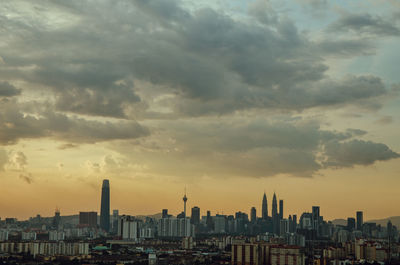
x: 264, y: 209
x: 105, y: 206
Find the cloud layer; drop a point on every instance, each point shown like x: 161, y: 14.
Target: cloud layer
x: 219, y: 90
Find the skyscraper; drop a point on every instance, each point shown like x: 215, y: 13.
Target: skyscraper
x: 253, y: 214
x: 280, y: 209
x: 195, y: 217
x: 164, y: 213
x: 56, y: 219
x: 359, y: 220
x: 264, y: 211
x: 274, y: 206
x: 105, y: 206
x: 351, y: 224
x: 114, y: 223
x: 315, y: 217
x: 294, y: 222
x: 315, y: 212
x: 275, y: 216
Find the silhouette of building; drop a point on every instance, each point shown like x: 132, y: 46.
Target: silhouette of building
x: 105, y: 206
x: 274, y: 206
x: 88, y: 219
x: 195, y: 217
x: 315, y: 217
x: 351, y: 223
x: 56, y: 219
x: 164, y: 213
x: 281, y: 209
x: 294, y: 219
x: 264, y: 209
x: 315, y: 212
x: 360, y: 220
x: 275, y: 215
x: 184, y: 204
x: 209, y: 222
x: 114, y: 223
x: 253, y: 215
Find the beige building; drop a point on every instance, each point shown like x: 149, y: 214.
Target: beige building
x: 266, y: 254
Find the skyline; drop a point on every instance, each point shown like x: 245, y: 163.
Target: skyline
x: 260, y: 213
x: 229, y: 98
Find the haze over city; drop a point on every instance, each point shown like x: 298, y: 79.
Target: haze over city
x: 229, y: 99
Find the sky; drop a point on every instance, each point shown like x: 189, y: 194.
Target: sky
x: 229, y: 99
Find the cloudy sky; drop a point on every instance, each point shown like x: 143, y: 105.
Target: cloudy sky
x: 229, y: 98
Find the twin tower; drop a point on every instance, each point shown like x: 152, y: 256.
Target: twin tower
x: 274, y: 214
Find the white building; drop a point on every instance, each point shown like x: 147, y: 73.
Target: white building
x: 175, y: 227
x: 128, y: 228
x: 56, y: 235
x: 28, y: 235
x: 3, y: 235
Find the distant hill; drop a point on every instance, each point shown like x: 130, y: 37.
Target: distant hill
x: 339, y: 222
x: 383, y: 222
x: 155, y: 216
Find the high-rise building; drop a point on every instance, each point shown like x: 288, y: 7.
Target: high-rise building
x: 284, y: 227
x: 56, y: 219
x: 274, y: 206
x: 351, y: 223
x: 105, y: 206
x: 281, y: 209
x: 114, y: 223
x: 253, y: 215
x: 315, y: 217
x: 128, y: 228
x: 175, y: 227
x: 264, y: 211
x: 88, y: 219
x: 390, y: 231
x: 195, y: 217
x: 360, y: 220
x: 275, y: 215
x: 209, y: 222
x: 164, y: 213
x: 315, y: 212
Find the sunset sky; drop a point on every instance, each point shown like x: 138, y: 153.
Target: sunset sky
x: 229, y: 98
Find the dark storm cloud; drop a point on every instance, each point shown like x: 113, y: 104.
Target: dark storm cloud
x: 8, y: 90
x: 127, y: 59
x: 18, y: 124
x: 257, y: 148
x: 365, y: 24
x: 212, y: 62
x: 361, y: 90
x: 356, y: 152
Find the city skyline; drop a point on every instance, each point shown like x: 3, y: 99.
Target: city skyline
x: 276, y: 213
x: 229, y: 98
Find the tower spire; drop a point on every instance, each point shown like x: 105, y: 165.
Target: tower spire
x: 264, y: 207
x: 184, y: 203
